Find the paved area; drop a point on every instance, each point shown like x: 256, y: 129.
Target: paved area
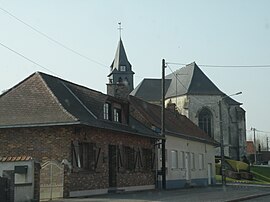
x: 217, y: 193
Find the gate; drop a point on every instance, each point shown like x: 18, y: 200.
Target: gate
x: 51, y: 180
x: 6, y: 189
x: 112, y: 166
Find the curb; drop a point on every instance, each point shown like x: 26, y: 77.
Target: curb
x: 249, y: 197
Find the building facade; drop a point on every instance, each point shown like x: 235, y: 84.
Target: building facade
x: 197, y: 97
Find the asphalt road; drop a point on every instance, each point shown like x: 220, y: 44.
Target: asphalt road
x: 217, y: 193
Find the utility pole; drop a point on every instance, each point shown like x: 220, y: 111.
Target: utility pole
x: 254, y: 140
x: 267, y: 147
x: 163, y: 168
x: 223, y: 180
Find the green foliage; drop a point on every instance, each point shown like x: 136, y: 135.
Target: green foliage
x: 238, y: 166
x: 261, y: 173
x: 262, y: 170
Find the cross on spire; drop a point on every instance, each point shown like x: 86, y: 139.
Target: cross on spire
x: 120, y: 28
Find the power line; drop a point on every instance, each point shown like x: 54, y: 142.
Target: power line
x: 28, y: 59
x: 225, y: 66
x: 52, y: 39
x: 177, y: 79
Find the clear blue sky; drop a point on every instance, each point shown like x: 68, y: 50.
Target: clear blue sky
x: 214, y: 32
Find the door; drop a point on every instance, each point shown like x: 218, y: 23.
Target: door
x: 112, y: 166
x: 51, y: 180
x: 187, y: 159
x: 209, y: 173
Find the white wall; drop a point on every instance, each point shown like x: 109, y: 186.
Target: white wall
x: 234, y: 129
x: 180, y: 172
x: 24, y: 184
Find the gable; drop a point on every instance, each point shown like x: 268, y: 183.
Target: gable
x: 31, y: 102
x: 192, y: 81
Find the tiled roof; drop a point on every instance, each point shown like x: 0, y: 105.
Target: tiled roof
x: 42, y: 99
x: 15, y: 158
x: 175, y: 123
x: 250, y: 147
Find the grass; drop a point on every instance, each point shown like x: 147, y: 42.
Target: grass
x: 255, y: 181
x: 261, y: 176
x: 261, y: 173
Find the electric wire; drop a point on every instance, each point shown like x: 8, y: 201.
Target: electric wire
x: 54, y: 40
x: 30, y: 60
x: 224, y: 66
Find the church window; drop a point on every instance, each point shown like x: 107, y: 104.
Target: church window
x: 122, y: 68
x: 120, y: 80
x: 117, y: 115
x: 205, y: 121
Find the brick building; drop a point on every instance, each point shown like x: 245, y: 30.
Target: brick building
x: 87, y: 137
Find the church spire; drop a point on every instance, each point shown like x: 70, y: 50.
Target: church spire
x: 121, y: 75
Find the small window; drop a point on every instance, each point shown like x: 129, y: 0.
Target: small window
x: 182, y: 160
x: 84, y: 155
x: 107, y: 111
x: 117, y: 115
x: 129, y: 155
x: 192, y: 161
x: 201, y: 161
x: 174, y: 159
x: 122, y: 68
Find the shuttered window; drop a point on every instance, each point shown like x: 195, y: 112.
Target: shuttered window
x: 84, y: 155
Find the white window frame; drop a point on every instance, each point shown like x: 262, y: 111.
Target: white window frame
x: 182, y: 160
x: 174, y: 159
x: 123, y: 68
x: 201, y: 161
x: 106, y: 111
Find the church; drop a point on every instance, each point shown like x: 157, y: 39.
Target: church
x: 194, y: 95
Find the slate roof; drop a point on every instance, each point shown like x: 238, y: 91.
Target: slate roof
x: 175, y: 123
x: 150, y: 89
x: 120, y: 59
x: 191, y: 81
x: 45, y: 100
x: 188, y: 80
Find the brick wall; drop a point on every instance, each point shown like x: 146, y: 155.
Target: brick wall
x: 54, y: 143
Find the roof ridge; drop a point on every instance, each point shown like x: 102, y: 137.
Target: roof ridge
x: 78, y: 99
x: 54, y: 97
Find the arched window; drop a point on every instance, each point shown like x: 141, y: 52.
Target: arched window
x: 205, y: 121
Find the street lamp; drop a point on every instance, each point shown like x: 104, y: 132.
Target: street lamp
x: 223, y: 179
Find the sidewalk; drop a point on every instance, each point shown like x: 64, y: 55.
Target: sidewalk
x: 217, y: 193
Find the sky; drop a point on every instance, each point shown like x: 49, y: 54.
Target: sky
x: 85, y: 34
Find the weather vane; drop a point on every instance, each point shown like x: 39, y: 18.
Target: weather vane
x: 120, y: 28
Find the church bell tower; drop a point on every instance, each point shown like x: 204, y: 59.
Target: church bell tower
x: 121, y: 75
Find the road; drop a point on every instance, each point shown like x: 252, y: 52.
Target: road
x: 217, y: 193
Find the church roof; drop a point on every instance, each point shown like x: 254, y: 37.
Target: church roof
x: 120, y: 58
x: 150, y: 89
x: 191, y: 80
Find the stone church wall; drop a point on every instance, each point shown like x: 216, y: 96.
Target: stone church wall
x: 233, y: 119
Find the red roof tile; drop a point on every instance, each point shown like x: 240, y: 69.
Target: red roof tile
x: 15, y: 158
